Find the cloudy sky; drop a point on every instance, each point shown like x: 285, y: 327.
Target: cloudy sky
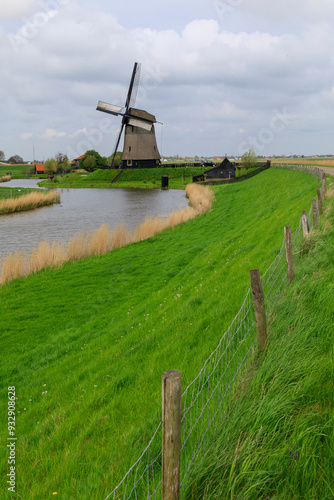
x: 222, y: 75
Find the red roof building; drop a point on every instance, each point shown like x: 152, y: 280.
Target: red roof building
x: 39, y: 168
x: 75, y: 162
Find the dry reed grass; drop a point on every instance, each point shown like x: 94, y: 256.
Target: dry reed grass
x: 329, y: 193
x: 5, y: 178
x: 103, y: 240
x: 29, y: 201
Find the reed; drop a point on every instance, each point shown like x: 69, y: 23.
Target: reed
x: 29, y: 201
x: 103, y: 240
x: 5, y: 178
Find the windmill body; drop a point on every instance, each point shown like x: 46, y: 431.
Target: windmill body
x: 140, y: 146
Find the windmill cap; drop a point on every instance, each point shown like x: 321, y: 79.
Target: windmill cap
x: 140, y: 113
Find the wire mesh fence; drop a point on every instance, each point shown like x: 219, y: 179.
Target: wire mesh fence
x: 309, y: 169
x: 206, y: 400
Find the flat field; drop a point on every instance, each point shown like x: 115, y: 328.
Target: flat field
x: 85, y: 345
x: 306, y: 161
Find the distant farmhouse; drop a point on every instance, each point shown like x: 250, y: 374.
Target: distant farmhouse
x: 226, y: 170
x: 76, y: 161
x: 39, y: 168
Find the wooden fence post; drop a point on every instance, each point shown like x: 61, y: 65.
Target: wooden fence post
x: 305, y: 225
x: 171, y: 434
x: 288, y: 251
x: 315, y: 212
x: 260, y: 312
x: 324, y: 185
x: 320, y: 202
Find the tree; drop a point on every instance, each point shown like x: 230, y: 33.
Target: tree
x: 63, y: 164
x: 15, y: 159
x: 249, y: 159
x: 89, y: 163
x: 117, y: 159
x: 2, y: 156
x: 100, y: 161
x: 50, y: 167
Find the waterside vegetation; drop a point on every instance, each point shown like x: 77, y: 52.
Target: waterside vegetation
x: 5, y: 178
x: 85, y: 345
x: 30, y: 201
x: 103, y: 240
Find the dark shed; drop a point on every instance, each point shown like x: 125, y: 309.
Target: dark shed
x: 226, y: 170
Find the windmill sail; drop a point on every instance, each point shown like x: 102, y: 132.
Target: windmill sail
x: 109, y: 108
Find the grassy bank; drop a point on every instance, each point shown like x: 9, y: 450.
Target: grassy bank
x: 29, y: 201
x: 277, y: 440
x: 85, y: 345
x: 148, y: 178
x: 16, y: 171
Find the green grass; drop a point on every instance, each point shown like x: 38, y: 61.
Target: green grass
x: 9, y: 192
x: 140, y: 178
x: 17, y: 171
x: 277, y: 441
x: 98, y: 334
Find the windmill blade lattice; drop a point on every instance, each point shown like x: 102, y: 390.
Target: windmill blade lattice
x: 134, y: 82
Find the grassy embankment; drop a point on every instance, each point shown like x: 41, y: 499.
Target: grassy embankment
x: 16, y: 171
x: 30, y: 201
x: 140, y: 178
x: 85, y: 345
x: 131, y: 178
x: 278, y: 439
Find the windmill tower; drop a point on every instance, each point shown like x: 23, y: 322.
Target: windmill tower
x: 140, y: 146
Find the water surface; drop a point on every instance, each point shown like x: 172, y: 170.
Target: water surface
x: 81, y: 210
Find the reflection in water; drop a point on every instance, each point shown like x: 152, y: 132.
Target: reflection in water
x: 82, y: 210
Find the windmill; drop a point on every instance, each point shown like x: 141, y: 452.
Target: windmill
x: 140, y: 146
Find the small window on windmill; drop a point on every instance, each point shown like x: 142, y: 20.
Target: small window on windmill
x: 129, y: 149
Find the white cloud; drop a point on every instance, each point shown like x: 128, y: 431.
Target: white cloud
x: 51, y: 133
x: 18, y: 8
x: 26, y: 135
x: 206, y: 80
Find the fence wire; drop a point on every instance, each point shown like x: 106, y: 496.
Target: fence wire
x: 143, y: 479
x: 208, y: 397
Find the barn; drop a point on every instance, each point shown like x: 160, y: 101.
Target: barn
x: 225, y: 170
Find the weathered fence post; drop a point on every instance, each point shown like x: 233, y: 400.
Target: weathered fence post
x: 288, y: 251
x: 324, y: 185
x: 315, y: 212
x: 260, y: 312
x: 171, y: 434
x: 320, y: 202
x: 305, y: 225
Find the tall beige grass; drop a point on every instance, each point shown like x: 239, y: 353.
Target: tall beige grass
x: 5, y: 178
x: 29, y: 201
x: 82, y: 245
